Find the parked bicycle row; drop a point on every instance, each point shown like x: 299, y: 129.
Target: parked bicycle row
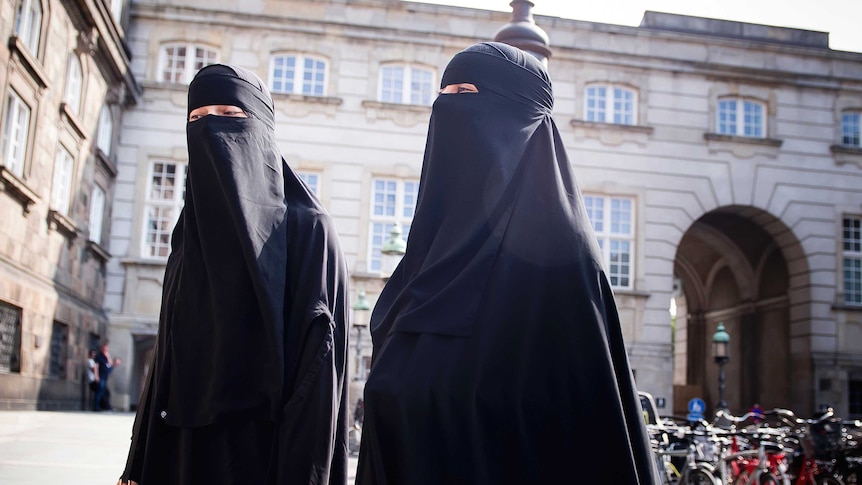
x: 773, y: 447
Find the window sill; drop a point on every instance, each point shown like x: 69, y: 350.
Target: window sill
x: 32, y: 65
x: 612, y: 134
x: 743, y: 146
x: 406, y: 115
x: 847, y: 307
x: 845, y: 154
x: 62, y: 224
x: 300, y: 106
x: 17, y: 189
x: 106, y: 163
x: 73, y: 120
x: 98, y: 251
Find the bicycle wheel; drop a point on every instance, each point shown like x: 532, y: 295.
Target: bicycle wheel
x: 698, y: 476
x: 765, y: 479
x: 828, y: 480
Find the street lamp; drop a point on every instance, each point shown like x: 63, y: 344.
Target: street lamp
x: 392, y: 250
x: 360, y: 323
x: 720, y: 344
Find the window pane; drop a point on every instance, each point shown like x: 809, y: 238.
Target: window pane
x: 621, y: 216
x: 283, y: 72
x: 379, y: 233
x: 852, y: 236
x: 313, y: 77
x: 160, y: 221
x: 60, y: 193
x: 411, y: 191
x: 595, y: 211
x: 106, y: 131
x: 97, y: 210
x: 727, y: 117
x: 175, y: 64
x: 384, y: 197
x: 753, y: 119
x: 620, y: 262
x: 623, y: 106
x: 853, y: 281
x: 163, y: 181
x: 595, y: 106
x: 59, y: 345
x: 10, y: 338
x: 392, y: 82
x: 28, y: 23
x: 420, y: 86
x: 311, y: 180
x: 15, y: 134
x: 73, y: 84
x: 850, y: 129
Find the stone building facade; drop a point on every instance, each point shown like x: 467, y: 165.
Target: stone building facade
x: 720, y: 163
x: 64, y: 83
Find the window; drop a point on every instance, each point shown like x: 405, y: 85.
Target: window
x: 741, y: 117
x: 406, y: 84
x: 97, y: 211
x: 298, y: 74
x: 165, y: 197
x: 610, y: 104
x: 851, y: 135
x: 854, y: 398
x: 10, y: 338
x: 312, y: 180
x: 613, y: 222
x: 15, y: 134
x: 180, y: 62
x: 852, y: 252
x: 106, y: 131
x: 61, y: 190
x: 74, y: 83
x: 59, y: 346
x: 28, y: 23
x: 391, y: 201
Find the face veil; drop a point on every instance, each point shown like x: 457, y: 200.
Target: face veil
x: 497, y: 339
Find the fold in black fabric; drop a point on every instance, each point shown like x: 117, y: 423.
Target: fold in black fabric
x: 498, y: 356
x: 248, y: 379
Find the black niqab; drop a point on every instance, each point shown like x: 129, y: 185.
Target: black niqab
x: 247, y: 384
x: 498, y: 355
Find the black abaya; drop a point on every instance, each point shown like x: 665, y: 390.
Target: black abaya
x: 498, y: 356
x: 248, y: 379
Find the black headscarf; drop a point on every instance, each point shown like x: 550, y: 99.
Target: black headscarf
x: 498, y: 355
x: 252, y: 327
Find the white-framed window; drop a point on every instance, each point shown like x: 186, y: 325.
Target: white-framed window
x: 609, y: 103
x: 298, y: 74
x: 117, y: 10
x: 74, y: 84
x: 852, y: 255
x: 406, y: 84
x: 613, y: 223
x: 105, y: 133
x: 178, y: 63
x: 392, y: 201
x: 851, y: 134
x: 61, y: 188
x: 165, y: 199
x: 312, y: 180
x: 97, y: 213
x: 741, y: 117
x: 15, y: 133
x: 28, y: 23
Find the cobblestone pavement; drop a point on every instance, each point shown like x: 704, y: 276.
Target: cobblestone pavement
x: 68, y: 448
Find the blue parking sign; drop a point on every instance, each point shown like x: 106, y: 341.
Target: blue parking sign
x: 696, y: 408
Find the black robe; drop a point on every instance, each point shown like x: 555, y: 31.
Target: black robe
x: 498, y: 356
x: 248, y: 379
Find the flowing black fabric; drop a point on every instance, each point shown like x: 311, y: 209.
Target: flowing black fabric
x: 248, y: 379
x: 498, y: 356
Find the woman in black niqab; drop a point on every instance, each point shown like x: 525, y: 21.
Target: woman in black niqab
x: 498, y: 356
x: 248, y: 379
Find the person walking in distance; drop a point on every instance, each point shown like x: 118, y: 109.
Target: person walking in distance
x: 104, y: 366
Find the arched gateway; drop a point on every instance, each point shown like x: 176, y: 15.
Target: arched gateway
x: 745, y: 268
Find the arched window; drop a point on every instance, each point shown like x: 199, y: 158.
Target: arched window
x: 74, y: 84
x: 406, y: 84
x: 610, y: 103
x: 106, y: 131
x: 61, y: 191
x: 117, y: 10
x: 28, y: 23
x: 741, y: 117
x: 298, y: 74
x: 178, y: 63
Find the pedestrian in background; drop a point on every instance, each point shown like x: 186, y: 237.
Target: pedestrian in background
x: 103, y: 369
x: 92, y: 383
x: 498, y: 354
x: 248, y: 380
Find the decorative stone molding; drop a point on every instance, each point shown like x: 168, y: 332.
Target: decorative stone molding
x: 742, y: 146
x: 106, y: 164
x: 30, y: 63
x: 611, y: 134
x: 846, y: 154
x: 88, y: 42
x: 406, y: 115
x: 16, y: 187
x: 300, y: 106
x: 96, y: 249
x: 62, y: 224
x: 73, y: 120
